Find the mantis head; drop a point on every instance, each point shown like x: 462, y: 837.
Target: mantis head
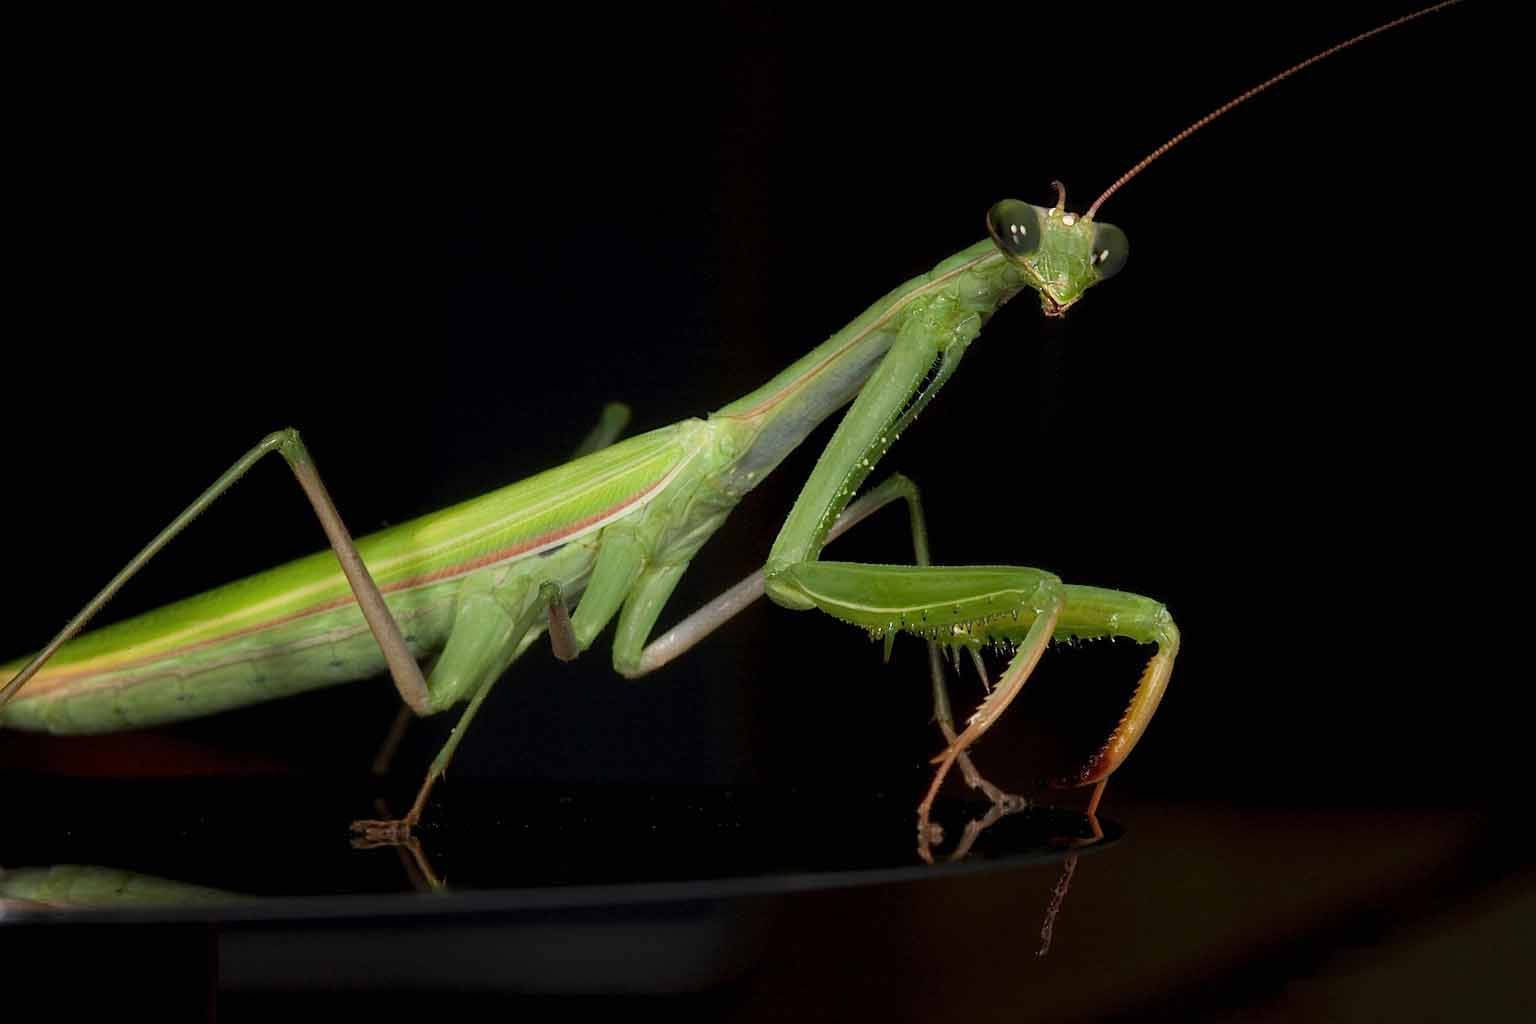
x: 1062, y: 254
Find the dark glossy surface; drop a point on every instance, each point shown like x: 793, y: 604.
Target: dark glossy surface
x: 595, y: 890
x: 749, y: 906
x: 278, y: 850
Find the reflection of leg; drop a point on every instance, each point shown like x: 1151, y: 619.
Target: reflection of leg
x: 1058, y: 897
x: 413, y: 860
x: 1059, y: 892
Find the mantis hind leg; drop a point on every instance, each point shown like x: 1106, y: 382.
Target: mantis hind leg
x: 397, y: 655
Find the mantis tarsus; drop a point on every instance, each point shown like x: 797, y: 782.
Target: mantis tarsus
x: 851, y: 458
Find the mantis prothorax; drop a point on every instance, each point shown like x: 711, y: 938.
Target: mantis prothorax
x: 610, y: 534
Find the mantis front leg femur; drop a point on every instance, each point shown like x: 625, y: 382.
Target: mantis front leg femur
x: 996, y: 605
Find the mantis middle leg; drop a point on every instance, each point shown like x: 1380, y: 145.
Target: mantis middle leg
x: 608, y: 429
x: 682, y: 637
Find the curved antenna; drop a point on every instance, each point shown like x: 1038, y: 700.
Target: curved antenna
x: 1251, y: 93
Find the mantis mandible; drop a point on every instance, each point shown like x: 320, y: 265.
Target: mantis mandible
x: 611, y: 534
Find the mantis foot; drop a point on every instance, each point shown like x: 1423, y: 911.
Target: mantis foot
x: 370, y: 834
x: 929, y: 834
x: 999, y: 798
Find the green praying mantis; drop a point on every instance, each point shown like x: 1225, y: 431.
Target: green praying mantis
x: 607, y: 537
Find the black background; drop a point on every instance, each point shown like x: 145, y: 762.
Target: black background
x: 1296, y: 417
x: 1292, y: 417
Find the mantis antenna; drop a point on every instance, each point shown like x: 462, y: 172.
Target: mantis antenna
x: 1251, y: 93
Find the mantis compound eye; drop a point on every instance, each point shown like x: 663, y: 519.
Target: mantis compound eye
x: 1110, y: 249
x: 1015, y: 227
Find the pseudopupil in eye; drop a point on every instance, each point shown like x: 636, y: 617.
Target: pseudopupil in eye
x: 1015, y: 227
x: 1110, y: 249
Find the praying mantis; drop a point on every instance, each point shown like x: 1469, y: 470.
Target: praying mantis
x: 797, y: 582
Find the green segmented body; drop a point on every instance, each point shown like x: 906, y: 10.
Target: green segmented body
x: 298, y: 627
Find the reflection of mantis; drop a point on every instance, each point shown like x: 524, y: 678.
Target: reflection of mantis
x: 83, y: 886
x: 618, y: 527
x: 1042, y: 835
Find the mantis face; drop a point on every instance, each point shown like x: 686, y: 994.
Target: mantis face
x: 1061, y: 253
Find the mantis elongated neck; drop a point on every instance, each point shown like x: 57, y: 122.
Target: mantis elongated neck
x: 779, y: 415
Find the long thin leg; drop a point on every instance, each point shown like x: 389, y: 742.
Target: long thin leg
x: 489, y: 644
x: 484, y: 641
x: 905, y: 488
x: 402, y: 663
x: 1001, y: 800
x: 1058, y: 897
x: 392, y: 740
x: 1069, y: 865
x: 608, y: 429
x: 686, y: 634
x: 1008, y: 687
x: 562, y: 639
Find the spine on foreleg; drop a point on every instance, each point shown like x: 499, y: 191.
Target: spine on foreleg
x: 1095, y: 612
